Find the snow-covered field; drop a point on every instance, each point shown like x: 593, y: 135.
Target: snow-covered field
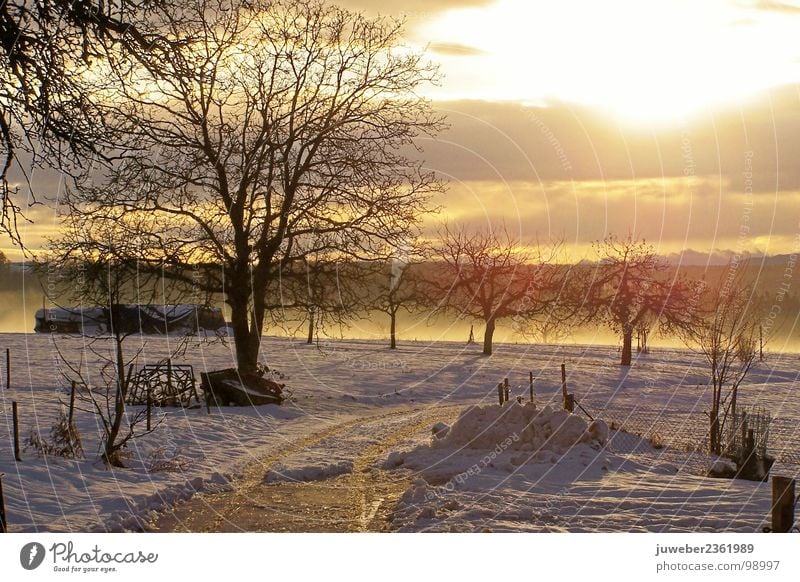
x: 461, y: 482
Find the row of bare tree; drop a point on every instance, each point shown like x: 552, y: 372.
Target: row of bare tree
x: 488, y: 276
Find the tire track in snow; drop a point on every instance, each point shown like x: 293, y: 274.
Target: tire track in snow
x: 360, y: 500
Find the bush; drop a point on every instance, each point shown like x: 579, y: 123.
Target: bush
x: 65, y: 440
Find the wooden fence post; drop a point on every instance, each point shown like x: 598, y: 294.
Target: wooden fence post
x: 3, y: 522
x: 506, y: 389
x: 15, y: 414
x: 8, y: 368
x: 564, y: 384
x: 71, y: 403
x: 782, y: 504
x: 149, y: 405
x: 500, y: 393
x: 569, y: 403
x: 531, y: 384
x: 170, y: 391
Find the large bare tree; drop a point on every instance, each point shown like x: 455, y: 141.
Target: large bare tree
x: 50, y: 115
x: 631, y: 285
x: 273, y: 132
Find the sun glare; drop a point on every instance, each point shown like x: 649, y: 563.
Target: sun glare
x: 643, y: 62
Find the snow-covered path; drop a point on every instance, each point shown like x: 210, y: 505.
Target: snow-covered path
x: 329, y: 481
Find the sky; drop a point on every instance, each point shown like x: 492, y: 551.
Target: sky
x: 676, y: 121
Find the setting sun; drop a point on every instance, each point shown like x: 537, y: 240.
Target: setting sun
x: 645, y: 62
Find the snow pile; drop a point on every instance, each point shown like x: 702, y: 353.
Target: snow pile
x: 521, y: 427
x: 542, y: 443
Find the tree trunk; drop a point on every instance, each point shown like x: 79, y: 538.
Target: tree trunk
x: 627, y: 347
x: 110, y: 452
x: 310, y: 338
x: 487, y: 336
x: 246, y: 343
x: 714, y: 437
x: 393, y: 330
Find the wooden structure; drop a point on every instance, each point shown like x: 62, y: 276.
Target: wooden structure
x: 164, y: 384
x: 232, y: 388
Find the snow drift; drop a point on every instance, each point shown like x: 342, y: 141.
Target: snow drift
x: 543, y: 443
x: 529, y: 429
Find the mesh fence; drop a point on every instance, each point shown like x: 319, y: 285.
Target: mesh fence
x: 689, y: 430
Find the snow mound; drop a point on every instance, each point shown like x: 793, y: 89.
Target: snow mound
x: 311, y: 472
x: 517, y: 439
x: 723, y: 468
x: 142, y: 511
x: 520, y: 427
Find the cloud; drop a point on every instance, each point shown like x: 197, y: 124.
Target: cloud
x: 452, y: 49
x: 410, y: 7
x: 751, y: 149
x: 780, y: 7
x: 671, y: 213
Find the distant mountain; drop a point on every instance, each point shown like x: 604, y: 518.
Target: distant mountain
x: 690, y: 257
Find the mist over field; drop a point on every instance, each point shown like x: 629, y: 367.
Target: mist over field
x: 22, y: 293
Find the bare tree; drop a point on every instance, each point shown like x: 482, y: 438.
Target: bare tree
x: 86, y: 268
x: 400, y: 285
x: 547, y: 327
x: 492, y: 276
x: 727, y: 337
x: 324, y: 289
x: 275, y: 122
x: 632, y: 286
x: 50, y: 54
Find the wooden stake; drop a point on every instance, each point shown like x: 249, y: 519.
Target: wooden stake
x: 782, y: 504
x: 149, y: 405
x: 569, y: 403
x: 506, y: 389
x: 169, y: 380
x: 8, y: 368
x: 564, y: 381
x: 531, y: 384
x: 15, y: 414
x: 500, y: 392
x: 71, y: 403
x: 3, y: 523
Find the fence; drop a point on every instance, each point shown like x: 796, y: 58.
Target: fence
x: 689, y: 431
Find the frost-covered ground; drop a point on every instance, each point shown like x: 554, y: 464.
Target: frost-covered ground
x: 340, y: 382
x: 531, y: 468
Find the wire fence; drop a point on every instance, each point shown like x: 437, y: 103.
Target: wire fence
x: 689, y: 431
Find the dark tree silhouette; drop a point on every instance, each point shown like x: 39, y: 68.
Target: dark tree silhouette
x: 492, y: 276
x: 400, y: 285
x: 325, y: 289
x: 631, y: 286
x: 86, y: 269
x: 727, y: 336
x: 266, y: 125
x: 50, y: 55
